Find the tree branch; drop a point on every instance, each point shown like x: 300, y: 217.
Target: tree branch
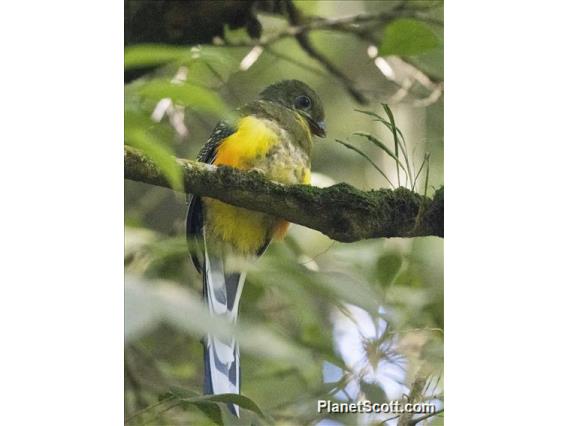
x: 348, y: 24
x: 341, y: 212
x: 362, y: 26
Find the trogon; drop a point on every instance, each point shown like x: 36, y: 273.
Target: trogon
x: 274, y: 135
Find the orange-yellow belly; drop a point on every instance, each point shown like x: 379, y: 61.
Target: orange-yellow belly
x: 245, y: 230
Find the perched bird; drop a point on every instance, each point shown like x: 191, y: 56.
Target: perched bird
x: 272, y: 134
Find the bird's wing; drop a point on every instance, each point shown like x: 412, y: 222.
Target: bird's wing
x: 194, y: 219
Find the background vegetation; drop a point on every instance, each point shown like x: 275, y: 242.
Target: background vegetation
x: 319, y: 319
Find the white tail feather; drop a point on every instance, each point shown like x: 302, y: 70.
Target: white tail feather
x: 223, y: 292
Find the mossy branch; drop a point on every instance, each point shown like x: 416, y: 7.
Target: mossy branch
x: 341, y: 212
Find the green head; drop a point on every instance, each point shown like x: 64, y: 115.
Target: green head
x: 299, y: 97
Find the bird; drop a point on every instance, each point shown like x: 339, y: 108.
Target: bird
x: 273, y: 134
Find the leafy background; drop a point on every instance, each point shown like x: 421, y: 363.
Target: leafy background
x: 318, y: 318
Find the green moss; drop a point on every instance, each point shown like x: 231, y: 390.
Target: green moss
x: 341, y: 211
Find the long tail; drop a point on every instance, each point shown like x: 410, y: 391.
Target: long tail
x: 222, y: 293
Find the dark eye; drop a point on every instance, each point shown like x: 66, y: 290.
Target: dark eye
x: 302, y: 102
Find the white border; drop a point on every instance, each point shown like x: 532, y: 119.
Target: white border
x: 506, y: 227
x: 61, y: 302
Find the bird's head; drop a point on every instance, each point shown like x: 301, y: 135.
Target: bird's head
x: 299, y: 97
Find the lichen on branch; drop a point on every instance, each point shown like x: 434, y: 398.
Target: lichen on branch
x: 341, y: 211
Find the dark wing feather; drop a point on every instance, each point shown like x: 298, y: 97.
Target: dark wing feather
x: 194, y: 219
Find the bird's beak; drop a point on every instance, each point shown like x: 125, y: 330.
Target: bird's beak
x: 318, y: 128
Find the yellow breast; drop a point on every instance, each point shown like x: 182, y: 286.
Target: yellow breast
x: 252, y: 140
x: 247, y: 231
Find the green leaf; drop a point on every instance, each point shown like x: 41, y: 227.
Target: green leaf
x: 240, y: 400
x: 407, y: 36
x: 388, y: 266
x: 208, y: 403
x: 141, y: 314
x: 348, y: 288
x: 366, y: 157
x: 211, y: 410
x: 397, y: 144
x: 150, y: 302
x: 424, y: 161
x: 370, y: 113
x: 188, y: 397
x: 146, y: 55
x: 381, y: 120
x: 397, y: 137
x: 374, y: 392
x: 180, y: 393
x: 185, y: 94
x: 158, y: 152
x: 382, y: 146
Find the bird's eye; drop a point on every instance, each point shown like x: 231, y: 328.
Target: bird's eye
x: 302, y: 102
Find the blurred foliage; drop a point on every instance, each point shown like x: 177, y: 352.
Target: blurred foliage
x: 408, y: 37
x: 319, y: 319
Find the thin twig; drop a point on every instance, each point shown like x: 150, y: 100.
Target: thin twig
x: 294, y: 61
x: 344, y: 24
x: 424, y: 417
x: 305, y: 43
x: 358, y: 25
